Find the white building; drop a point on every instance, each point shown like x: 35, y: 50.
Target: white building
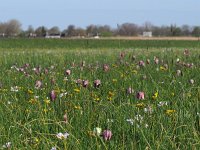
x: 147, y: 34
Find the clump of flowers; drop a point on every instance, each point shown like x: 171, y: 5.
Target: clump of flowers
x: 7, y: 145
x: 62, y: 136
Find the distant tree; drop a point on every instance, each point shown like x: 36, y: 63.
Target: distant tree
x: 41, y: 31
x: 80, y: 32
x: 92, y: 30
x: 196, y: 31
x: 186, y: 30
x: 105, y: 31
x: 30, y: 29
x: 148, y: 26
x: 175, y: 31
x: 2, y: 29
x: 13, y: 27
x: 128, y: 29
x: 71, y: 31
x: 54, y: 30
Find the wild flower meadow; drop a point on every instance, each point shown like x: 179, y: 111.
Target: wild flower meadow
x: 100, y: 99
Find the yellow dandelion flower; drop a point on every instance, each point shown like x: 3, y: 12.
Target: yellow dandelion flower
x: 172, y: 93
x: 155, y: 95
x: 77, y: 107
x: 47, y: 101
x: 114, y: 65
x: 122, y: 75
x: 30, y: 91
x: 33, y: 101
x: 114, y: 80
x: 163, y: 68
x: 27, y: 111
x: 77, y: 90
x: 45, y: 110
x: 189, y: 94
x: 170, y: 111
x: 90, y: 133
x: 134, y: 71
x: 110, y: 94
x: 109, y: 98
x: 97, y: 99
x: 140, y: 105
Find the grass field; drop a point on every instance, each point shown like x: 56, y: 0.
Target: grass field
x: 53, y: 44
x: 65, y: 94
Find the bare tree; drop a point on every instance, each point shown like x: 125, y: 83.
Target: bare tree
x: 128, y: 29
x: 54, y: 30
x: 13, y: 27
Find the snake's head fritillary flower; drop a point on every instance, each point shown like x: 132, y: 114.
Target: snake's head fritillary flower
x: 140, y: 95
x: 85, y: 83
x: 156, y: 60
x: 148, y: 61
x: 129, y: 90
x: 178, y: 72
x: 52, y: 95
x: 68, y: 72
x: 79, y: 81
x: 141, y: 63
x: 53, y: 148
x: 46, y: 71
x: 186, y: 52
x: 83, y: 64
x: 38, y: 84
x: 53, y: 81
x: 191, y: 81
x: 133, y: 58
x: 122, y: 55
x: 65, y: 118
x: 107, y: 134
x: 97, y: 83
x: 106, y: 67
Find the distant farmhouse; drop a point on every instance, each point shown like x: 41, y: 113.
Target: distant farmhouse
x: 53, y: 36
x: 147, y: 34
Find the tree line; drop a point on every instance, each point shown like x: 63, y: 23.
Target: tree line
x: 13, y: 28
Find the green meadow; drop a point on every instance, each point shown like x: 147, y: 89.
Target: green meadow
x: 99, y: 94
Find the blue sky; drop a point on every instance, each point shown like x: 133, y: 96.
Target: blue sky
x: 81, y: 13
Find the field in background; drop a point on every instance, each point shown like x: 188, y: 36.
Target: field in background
x: 147, y: 95
x: 54, y: 44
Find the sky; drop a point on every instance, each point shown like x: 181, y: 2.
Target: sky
x: 82, y: 13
